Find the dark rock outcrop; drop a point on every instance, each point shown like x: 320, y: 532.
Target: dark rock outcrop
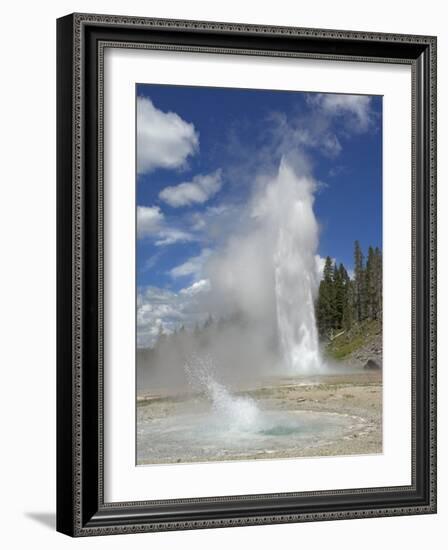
x: 372, y: 365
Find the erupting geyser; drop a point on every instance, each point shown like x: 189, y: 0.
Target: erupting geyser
x: 295, y: 272
x: 290, y: 206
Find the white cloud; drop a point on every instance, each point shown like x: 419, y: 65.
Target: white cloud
x: 171, y: 235
x: 197, y: 191
x: 151, y: 262
x: 151, y: 222
x: 164, y: 140
x: 157, y: 311
x: 317, y: 128
x: 160, y: 310
x: 311, y: 131
x: 357, y: 107
x: 196, y: 288
x: 192, y: 267
x: 331, y: 145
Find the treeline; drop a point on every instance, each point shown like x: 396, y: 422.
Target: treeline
x: 343, y: 301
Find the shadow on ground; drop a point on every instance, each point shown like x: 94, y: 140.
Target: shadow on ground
x: 47, y: 519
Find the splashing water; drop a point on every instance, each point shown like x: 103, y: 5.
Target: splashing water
x: 231, y: 411
x: 295, y: 271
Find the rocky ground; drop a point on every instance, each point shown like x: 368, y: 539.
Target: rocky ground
x: 352, y: 393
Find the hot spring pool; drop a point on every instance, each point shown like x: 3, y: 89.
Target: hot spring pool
x: 205, y: 436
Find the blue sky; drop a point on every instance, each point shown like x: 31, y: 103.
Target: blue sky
x: 199, y: 154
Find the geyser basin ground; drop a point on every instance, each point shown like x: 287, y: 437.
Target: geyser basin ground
x: 202, y: 437
x: 337, y: 414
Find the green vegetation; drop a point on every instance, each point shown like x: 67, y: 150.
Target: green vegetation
x: 344, y: 303
x: 357, y: 337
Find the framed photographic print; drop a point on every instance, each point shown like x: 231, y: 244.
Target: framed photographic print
x: 246, y: 274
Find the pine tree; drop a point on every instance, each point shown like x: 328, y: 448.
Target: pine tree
x: 342, y: 301
x: 325, y: 302
x: 370, y: 285
x: 339, y: 295
x: 379, y: 283
x: 349, y: 309
x: 359, y: 294
x: 345, y: 319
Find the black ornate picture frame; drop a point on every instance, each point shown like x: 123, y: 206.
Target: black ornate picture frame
x: 81, y: 508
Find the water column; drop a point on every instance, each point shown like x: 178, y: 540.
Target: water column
x: 295, y: 272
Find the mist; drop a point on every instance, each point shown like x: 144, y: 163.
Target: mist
x: 259, y: 298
